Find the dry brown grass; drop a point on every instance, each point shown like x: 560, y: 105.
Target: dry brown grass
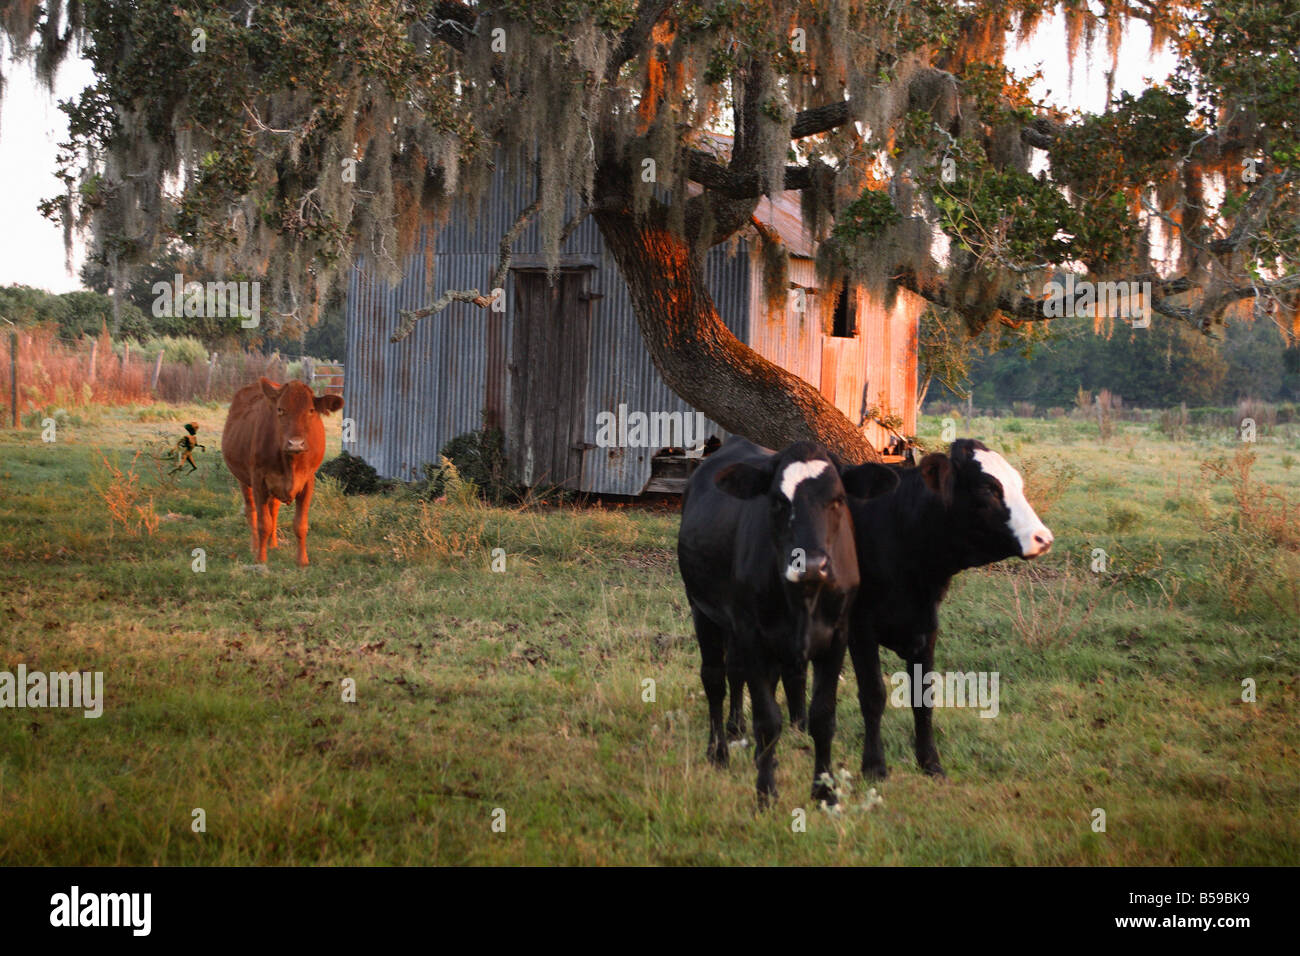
x: 52, y: 372
x: 1261, y: 507
x: 125, y: 500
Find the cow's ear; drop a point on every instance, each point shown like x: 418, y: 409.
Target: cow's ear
x: 963, y: 450
x: 744, y: 481
x: 270, y: 390
x: 869, y: 481
x: 328, y: 403
x: 936, y: 472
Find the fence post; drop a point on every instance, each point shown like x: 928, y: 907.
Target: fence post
x: 309, y: 369
x: 157, y: 369
x: 13, y: 379
x: 212, y: 364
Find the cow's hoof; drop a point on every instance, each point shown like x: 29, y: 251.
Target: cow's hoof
x: 766, y: 798
x: 718, y: 756
x: 800, y: 724
x: 736, y: 731
x: 875, y: 771
x: 824, y: 794
x: 932, y: 769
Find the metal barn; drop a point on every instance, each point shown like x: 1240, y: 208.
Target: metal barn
x: 558, y: 356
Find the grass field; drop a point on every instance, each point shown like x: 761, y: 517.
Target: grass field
x: 522, y: 691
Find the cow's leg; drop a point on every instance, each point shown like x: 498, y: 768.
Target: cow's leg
x: 767, y: 726
x: 927, y: 755
x: 871, y: 698
x: 301, y: 504
x: 713, y: 674
x: 273, y: 539
x: 794, y: 678
x: 821, y: 719
x: 250, y: 514
x: 736, y: 705
x: 263, y: 532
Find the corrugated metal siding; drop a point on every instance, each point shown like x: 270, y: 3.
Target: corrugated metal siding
x: 620, y: 370
x: 788, y: 337
x: 409, y: 398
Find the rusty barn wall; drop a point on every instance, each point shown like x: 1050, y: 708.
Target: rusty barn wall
x: 790, y: 338
x: 877, y: 366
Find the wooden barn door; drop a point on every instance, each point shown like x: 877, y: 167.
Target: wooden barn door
x: 548, y: 378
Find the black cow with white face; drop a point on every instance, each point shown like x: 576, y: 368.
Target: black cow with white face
x: 767, y: 553
x: 956, y: 511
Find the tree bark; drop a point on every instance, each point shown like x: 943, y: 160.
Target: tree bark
x: 701, y: 360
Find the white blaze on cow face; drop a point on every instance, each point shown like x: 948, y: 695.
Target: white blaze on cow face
x: 1024, y: 524
x: 800, y: 471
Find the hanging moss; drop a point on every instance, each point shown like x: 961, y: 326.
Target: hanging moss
x: 242, y: 151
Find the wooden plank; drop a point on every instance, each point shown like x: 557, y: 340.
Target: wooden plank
x: 494, y: 397
x: 830, y: 368
x: 575, y: 320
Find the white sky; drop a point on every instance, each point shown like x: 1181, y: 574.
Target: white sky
x: 31, y: 126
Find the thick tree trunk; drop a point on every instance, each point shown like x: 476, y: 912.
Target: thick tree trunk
x: 702, y: 361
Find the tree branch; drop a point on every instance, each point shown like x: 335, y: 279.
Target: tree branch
x: 819, y: 119
x: 411, y: 317
x: 742, y: 184
x: 452, y: 23
x: 1256, y: 206
x: 633, y: 40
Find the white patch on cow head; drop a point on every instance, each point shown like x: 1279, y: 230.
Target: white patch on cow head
x: 1033, y: 536
x: 800, y: 471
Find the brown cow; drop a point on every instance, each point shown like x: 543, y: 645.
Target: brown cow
x: 273, y: 442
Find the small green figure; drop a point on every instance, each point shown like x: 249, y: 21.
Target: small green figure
x: 185, y: 449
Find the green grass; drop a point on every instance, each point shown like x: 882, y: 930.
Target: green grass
x: 523, y: 690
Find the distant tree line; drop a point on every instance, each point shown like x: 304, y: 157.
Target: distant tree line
x: 1156, y: 367
x: 90, y: 311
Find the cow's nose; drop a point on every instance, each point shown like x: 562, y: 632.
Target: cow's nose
x: 295, y: 445
x: 1042, y: 543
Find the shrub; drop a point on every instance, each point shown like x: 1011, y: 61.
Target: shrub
x: 1044, y: 486
x: 354, y: 475
x: 183, y: 349
x: 1173, y: 422
x: 479, y: 458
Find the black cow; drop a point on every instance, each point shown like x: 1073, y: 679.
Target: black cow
x: 767, y: 555
x: 952, y: 512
